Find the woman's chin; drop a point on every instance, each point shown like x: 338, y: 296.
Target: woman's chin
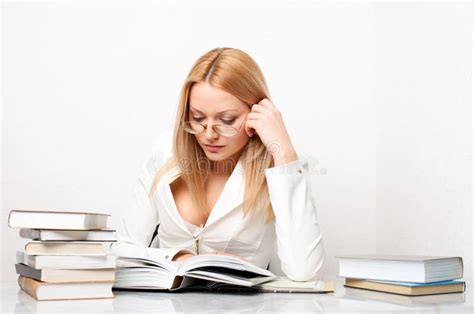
x: 215, y: 157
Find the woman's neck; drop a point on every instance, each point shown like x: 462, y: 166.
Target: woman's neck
x: 224, y: 167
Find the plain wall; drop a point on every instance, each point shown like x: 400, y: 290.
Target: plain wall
x: 86, y: 88
x: 424, y: 130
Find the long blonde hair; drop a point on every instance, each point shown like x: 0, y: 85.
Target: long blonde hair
x: 237, y: 73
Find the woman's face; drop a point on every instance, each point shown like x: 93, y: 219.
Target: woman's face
x: 212, y: 106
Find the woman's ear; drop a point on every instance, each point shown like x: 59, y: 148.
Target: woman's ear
x: 250, y: 131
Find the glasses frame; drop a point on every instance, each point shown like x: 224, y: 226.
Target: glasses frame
x: 205, y: 125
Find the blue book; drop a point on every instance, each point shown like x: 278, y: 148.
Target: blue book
x: 407, y: 288
x: 419, y: 284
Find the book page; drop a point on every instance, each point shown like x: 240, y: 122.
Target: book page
x: 283, y: 283
x: 224, y: 261
x: 166, y: 265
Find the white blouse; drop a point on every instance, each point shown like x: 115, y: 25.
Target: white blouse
x: 291, y: 245
x: 195, y: 230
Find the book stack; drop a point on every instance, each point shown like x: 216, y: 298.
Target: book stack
x: 403, y: 274
x: 68, y: 255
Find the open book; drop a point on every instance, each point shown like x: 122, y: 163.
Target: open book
x: 199, y: 270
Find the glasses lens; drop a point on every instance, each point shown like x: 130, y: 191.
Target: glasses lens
x: 193, y: 127
x: 226, y: 130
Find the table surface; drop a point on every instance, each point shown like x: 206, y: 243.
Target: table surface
x: 13, y: 299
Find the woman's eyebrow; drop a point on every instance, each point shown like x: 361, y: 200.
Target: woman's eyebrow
x: 194, y: 109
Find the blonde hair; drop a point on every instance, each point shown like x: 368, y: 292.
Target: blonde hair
x: 237, y: 73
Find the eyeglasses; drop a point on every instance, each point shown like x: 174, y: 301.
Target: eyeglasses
x: 195, y: 127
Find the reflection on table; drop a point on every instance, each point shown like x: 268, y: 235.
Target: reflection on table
x: 342, y: 300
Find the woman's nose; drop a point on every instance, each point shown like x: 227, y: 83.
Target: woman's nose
x: 210, y: 133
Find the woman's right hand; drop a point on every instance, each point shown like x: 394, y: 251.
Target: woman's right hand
x: 182, y: 256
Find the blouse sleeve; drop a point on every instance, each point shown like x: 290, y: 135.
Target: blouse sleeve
x: 298, y: 236
x: 137, y: 226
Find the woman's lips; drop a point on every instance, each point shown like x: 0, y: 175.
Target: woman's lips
x: 213, y: 148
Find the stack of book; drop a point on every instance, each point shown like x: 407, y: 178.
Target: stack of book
x: 404, y: 275
x: 68, y: 255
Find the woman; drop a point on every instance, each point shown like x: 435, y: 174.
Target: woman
x: 227, y: 180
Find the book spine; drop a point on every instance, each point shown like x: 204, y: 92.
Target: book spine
x: 29, y: 233
x: 9, y: 218
x: 28, y: 285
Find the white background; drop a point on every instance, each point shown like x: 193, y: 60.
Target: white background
x: 377, y: 95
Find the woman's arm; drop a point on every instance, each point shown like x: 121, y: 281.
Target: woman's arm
x: 298, y: 235
x: 138, y: 224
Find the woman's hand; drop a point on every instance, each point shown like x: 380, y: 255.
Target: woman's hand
x: 181, y: 256
x: 265, y: 120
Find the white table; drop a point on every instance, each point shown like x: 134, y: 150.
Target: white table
x: 343, y: 300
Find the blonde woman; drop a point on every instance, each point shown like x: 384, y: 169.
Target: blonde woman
x: 227, y: 180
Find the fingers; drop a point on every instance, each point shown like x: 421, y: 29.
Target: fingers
x: 250, y: 126
x: 267, y: 103
x: 255, y: 116
x: 258, y: 108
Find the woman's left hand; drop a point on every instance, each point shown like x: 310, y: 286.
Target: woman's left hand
x: 265, y: 120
